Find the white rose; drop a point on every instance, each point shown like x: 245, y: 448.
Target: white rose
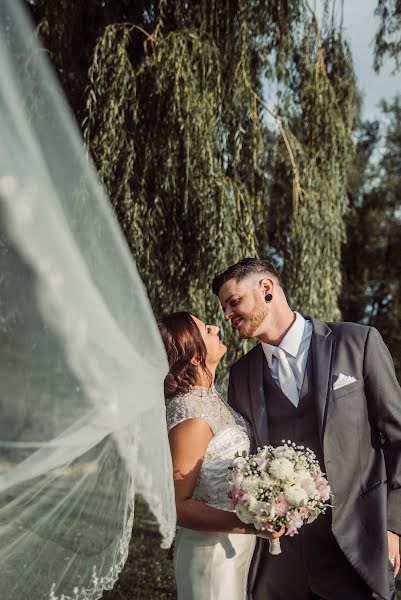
x: 281, y: 468
x: 243, y: 514
x: 309, y: 486
x: 301, y: 474
x: 251, y: 502
x: 295, y: 495
x: 262, y: 510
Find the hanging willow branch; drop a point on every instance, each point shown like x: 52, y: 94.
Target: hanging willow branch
x: 319, y: 204
x: 297, y: 190
x: 188, y: 162
x: 166, y: 139
x: 323, y: 149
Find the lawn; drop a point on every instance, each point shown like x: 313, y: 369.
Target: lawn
x: 147, y: 575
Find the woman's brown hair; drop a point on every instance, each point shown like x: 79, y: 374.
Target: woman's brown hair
x: 183, y: 341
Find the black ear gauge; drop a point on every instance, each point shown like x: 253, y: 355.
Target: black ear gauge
x: 268, y: 297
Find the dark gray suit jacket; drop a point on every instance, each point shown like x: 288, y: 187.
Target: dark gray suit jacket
x: 360, y: 431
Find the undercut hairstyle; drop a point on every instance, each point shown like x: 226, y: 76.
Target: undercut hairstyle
x: 183, y: 341
x: 244, y: 268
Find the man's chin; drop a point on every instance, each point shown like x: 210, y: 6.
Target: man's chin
x: 246, y: 334
x: 251, y: 331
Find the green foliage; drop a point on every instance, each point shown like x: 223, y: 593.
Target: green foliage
x: 372, y: 256
x: 179, y: 147
x: 69, y: 29
x: 176, y: 125
x: 182, y: 149
x: 388, y: 35
x: 319, y: 110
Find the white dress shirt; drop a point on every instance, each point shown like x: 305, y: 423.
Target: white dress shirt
x: 295, y: 344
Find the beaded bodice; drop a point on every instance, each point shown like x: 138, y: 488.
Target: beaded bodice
x: 231, y: 433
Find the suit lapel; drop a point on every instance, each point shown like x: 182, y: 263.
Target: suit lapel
x: 259, y: 416
x: 322, y: 347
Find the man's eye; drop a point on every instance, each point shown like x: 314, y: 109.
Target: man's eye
x: 234, y: 302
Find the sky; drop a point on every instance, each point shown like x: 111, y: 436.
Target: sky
x: 360, y: 25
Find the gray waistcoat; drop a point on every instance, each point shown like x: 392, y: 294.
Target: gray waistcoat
x: 287, y: 422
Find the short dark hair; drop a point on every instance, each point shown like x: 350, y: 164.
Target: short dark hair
x: 182, y: 340
x: 243, y: 268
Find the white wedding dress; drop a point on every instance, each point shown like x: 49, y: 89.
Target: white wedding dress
x: 212, y: 566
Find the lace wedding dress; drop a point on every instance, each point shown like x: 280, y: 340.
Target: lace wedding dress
x: 212, y: 566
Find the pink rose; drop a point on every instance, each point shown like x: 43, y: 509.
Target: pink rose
x: 304, y: 512
x: 324, y: 492
x: 281, y: 506
x: 294, y: 523
x: 322, y: 486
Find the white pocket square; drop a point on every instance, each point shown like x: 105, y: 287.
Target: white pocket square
x: 343, y: 380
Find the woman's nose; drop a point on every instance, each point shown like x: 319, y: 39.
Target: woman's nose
x: 216, y: 329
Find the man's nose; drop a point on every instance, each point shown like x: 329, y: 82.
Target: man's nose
x: 228, y: 313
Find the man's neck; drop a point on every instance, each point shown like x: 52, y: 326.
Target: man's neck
x: 277, y: 327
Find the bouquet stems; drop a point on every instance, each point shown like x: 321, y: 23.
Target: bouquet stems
x: 274, y: 547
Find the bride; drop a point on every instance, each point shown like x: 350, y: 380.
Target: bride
x: 213, y: 548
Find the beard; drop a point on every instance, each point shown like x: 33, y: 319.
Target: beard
x: 254, y: 322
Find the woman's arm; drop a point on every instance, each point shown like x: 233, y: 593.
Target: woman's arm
x: 188, y: 443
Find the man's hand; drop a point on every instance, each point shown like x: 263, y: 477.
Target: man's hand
x: 394, y: 551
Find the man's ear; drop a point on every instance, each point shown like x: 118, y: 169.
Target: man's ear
x: 267, y: 285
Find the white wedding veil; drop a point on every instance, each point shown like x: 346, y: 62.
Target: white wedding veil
x: 82, y: 421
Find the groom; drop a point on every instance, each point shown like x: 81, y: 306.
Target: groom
x: 332, y: 388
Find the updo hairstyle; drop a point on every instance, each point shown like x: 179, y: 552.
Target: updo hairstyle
x: 183, y: 341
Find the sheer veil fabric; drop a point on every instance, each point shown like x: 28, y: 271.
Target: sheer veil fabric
x: 82, y: 425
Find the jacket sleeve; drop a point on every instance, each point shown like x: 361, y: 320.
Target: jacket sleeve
x: 384, y: 397
x: 231, y: 394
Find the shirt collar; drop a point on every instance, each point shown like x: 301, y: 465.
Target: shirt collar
x: 290, y: 342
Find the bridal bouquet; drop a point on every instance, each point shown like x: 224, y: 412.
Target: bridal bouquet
x: 278, y: 486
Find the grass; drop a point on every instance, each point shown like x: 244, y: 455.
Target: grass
x: 148, y: 575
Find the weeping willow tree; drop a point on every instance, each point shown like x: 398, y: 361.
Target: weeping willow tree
x: 179, y: 144
x: 320, y: 114
x: 176, y: 121
x: 388, y: 35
